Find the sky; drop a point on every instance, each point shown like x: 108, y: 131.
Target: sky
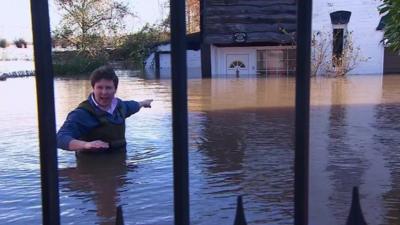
x: 15, y: 17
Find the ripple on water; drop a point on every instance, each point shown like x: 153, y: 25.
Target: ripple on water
x: 241, y: 134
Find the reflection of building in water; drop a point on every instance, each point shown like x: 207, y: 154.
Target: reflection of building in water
x: 224, y: 141
x: 352, y: 158
x: 250, y: 152
x: 340, y: 152
x: 387, y: 142
x: 227, y: 93
x: 98, y: 178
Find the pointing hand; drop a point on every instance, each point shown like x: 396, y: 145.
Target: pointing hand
x: 146, y: 103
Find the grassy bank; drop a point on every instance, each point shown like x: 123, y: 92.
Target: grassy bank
x: 73, y: 63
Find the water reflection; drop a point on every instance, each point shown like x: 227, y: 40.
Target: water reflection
x: 387, y: 141
x: 97, y: 178
x: 247, y: 152
x: 70, y: 92
x: 344, y: 162
x: 241, y: 142
x: 343, y: 147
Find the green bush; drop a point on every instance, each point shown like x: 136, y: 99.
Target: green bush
x: 3, y: 43
x: 140, y: 45
x: 71, y: 63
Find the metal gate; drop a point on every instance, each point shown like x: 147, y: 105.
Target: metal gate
x: 47, y: 130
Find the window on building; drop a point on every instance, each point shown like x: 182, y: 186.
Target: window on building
x: 261, y: 62
x: 291, y: 61
x: 276, y: 61
x: 339, y: 20
x: 237, y: 64
x: 337, y: 46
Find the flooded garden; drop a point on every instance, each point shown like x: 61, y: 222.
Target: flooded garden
x: 241, y: 142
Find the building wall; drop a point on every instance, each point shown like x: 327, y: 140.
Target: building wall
x: 391, y: 62
x: 221, y: 54
x: 221, y: 57
x: 256, y: 19
x: 363, y: 22
x: 193, y: 58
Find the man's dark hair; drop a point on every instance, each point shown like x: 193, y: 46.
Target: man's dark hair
x: 104, y: 72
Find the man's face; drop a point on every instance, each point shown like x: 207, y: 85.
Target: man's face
x: 104, y: 92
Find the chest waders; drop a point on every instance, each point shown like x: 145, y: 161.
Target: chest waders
x: 107, y: 131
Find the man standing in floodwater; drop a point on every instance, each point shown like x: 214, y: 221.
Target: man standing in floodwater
x: 98, y: 123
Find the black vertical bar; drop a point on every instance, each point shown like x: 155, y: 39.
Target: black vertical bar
x: 304, y: 13
x: 205, y: 60
x: 179, y: 112
x: 356, y: 216
x: 46, y: 112
x: 119, y: 220
x: 157, y: 63
x: 240, y: 218
x: 205, y: 48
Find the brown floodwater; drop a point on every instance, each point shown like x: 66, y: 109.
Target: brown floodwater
x: 241, y: 133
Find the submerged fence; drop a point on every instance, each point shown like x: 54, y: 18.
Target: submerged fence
x: 15, y: 74
x: 355, y: 216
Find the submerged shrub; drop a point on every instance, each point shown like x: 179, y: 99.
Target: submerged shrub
x: 3, y: 43
x: 75, y: 63
x: 20, y: 43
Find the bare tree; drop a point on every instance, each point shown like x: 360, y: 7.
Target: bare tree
x: 86, y: 23
x: 320, y: 46
x: 324, y: 62
x: 348, y: 60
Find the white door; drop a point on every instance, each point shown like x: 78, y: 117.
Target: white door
x: 237, y: 64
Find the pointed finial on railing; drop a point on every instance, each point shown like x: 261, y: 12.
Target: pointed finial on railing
x: 240, y: 218
x: 120, y: 217
x: 356, y: 216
